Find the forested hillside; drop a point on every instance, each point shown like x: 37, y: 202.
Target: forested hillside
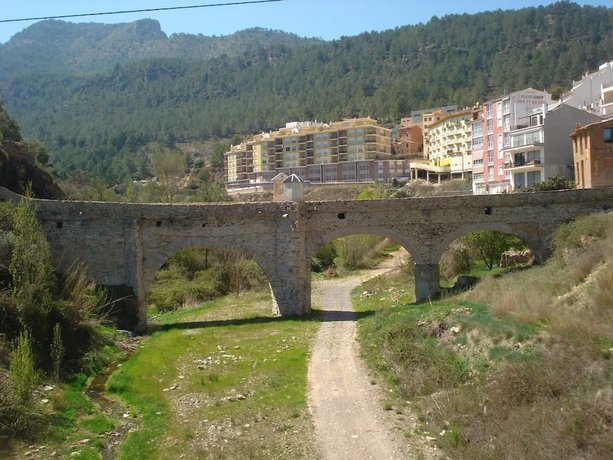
x: 94, y: 120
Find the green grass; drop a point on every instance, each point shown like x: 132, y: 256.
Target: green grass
x: 519, y: 366
x: 246, y: 369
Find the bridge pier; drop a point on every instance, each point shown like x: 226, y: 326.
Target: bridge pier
x: 427, y: 282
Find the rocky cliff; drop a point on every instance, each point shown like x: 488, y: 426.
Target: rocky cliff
x: 17, y: 171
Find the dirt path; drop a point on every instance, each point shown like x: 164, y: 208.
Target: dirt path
x: 350, y: 420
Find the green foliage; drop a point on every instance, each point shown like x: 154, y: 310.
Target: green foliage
x: 9, y: 130
x: 57, y: 350
x: 416, y: 354
x: 198, y: 274
x: 30, y: 263
x: 579, y: 233
x: 37, y: 151
x: 16, y: 418
x: 22, y: 371
x: 168, y: 167
x: 552, y: 183
x: 324, y: 258
x: 375, y: 192
x: 489, y: 245
x: 357, y: 251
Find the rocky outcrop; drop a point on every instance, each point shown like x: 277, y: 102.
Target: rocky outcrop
x: 17, y: 171
x: 515, y: 258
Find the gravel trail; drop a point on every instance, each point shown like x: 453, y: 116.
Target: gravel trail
x: 347, y: 408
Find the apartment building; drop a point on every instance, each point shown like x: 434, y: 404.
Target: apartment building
x: 343, y: 151
x: 593, y: 92
x: 593, y: 154
x: 492, y: 124
x: 539, y: 147
x: 450, y: 144
x: 410, y: 140
x: 449, y: 152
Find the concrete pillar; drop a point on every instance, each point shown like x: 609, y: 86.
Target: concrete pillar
x: 427, y: 282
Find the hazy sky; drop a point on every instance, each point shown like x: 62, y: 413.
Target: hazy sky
x: 328, y: 19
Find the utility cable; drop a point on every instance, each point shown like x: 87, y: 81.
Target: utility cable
x: 144, y: 10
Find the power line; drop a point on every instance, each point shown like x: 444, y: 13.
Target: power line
x: 145, y: 10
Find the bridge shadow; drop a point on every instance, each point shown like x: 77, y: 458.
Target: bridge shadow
x: 322, y: 316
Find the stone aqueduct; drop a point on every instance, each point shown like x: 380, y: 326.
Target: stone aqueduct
x: 124, y: 245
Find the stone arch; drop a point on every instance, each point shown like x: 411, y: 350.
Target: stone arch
x: 523, y: 233
x: 320, y: 239
x: 156, y: 256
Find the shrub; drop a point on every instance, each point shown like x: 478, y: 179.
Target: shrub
x: 421, y: 367
x: 17, y: 419
x: 22, y: 371
x: 356, y: 251
x: 324, y: 258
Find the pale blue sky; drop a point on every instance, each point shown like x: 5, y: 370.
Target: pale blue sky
x: 328, y: 19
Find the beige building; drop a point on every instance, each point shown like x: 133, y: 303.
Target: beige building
x: 429, y: 119
x: 593, y: 154
x: 343, y: 151
x: 449, y: 148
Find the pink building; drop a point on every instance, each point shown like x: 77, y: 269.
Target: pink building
x: 493, y: 122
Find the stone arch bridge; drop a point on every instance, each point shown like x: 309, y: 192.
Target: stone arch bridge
x: 124, y: 245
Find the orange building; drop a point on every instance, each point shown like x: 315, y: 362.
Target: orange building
x: 593, y: 154
x: 410, y: 141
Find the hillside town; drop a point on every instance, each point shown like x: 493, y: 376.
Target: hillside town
x: 501, y: 145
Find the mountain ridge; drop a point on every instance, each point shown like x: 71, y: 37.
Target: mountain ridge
x: 60, y: 47
x: 96, y: 122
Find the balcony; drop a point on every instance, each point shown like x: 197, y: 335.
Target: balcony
x: 523, y: 166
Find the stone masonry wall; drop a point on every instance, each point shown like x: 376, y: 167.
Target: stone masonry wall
x: 124, y: 245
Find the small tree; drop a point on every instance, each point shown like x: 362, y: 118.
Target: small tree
x: 489, y: 245
x: 57, y: 350
x: 168, y: 167
x: 22, y: 370
x: 30, y: 265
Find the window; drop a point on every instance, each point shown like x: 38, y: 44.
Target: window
x: 608, y: 134
x: 507, y: 106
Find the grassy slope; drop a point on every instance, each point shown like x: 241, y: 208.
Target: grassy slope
x: 224, y: 381
x: 520, y: 367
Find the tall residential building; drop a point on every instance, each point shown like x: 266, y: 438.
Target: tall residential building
x: 540, y: 147
x: 593, y: 92
x: 344, y: 151
x: 449, y: 154
x: 492, y: 124
x: 429, y: 119
x: 450, y: 143
x: 593, y: 154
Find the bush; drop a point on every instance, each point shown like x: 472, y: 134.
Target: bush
x: 23, y: 375
x: 324, y: 258
x: 553, y: 183
x: 17, y: 420
x: 356, y: 251
x: 422, y: 367
x: 173, y: 293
